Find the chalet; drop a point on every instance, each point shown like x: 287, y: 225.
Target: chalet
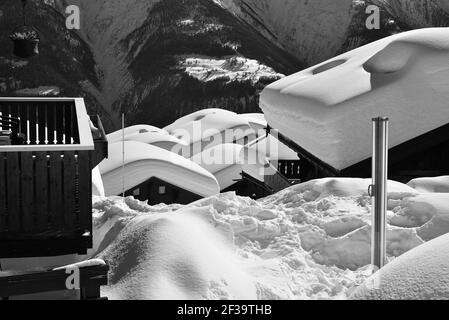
x: 242, y: 170
x: 49, y: 147
x: 208, y: 128
x: 325, y: 112
x: 151, y: 173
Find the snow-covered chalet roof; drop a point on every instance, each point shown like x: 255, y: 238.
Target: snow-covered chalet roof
x: 144, y: 161
x: 328, y: 109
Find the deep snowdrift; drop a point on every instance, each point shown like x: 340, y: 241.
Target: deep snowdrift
x: 420, y: 274
x: 311, y: 241
x: 327, y: 109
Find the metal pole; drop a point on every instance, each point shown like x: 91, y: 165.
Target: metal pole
x: 379, y: 191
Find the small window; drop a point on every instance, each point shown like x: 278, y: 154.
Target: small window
x: 162, y: 190
x: 136, y: 192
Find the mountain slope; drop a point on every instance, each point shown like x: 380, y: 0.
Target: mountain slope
x: 64, y: 65
x: 172, y: 57
x: 417, y: 13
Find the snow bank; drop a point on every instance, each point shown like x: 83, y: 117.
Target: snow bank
x: 327, y: 109
x: 428, y: 213
x: 175, y: 256
x: 310, y: 241
x: 143, y: 161
x: 420, y: 274
x: 431, y: 185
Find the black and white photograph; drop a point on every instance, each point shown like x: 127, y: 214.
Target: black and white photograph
x: 241, y: 151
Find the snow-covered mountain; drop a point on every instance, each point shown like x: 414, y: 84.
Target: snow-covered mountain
x: 158, y: 60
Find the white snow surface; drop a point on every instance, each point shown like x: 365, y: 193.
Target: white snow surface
x: 144, y: 161
x: 327, y: 109
x: 133, y: 131
x: 431, y: 185
x: 197, y: 116
x: 420, y: 274
x: 310, y: 241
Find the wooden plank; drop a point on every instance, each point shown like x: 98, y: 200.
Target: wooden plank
x: 51, y: 123
x: 3, y: 212
x: 27, y: 191
x: 75, y: 132
x: 56, y: 210
x: 68, y: 114
x: 41, y: 190
x: 59, y: 111
x: 69, y: 190
x: 13, y: 190
x: 32, y: 110
x: 85, y: 189
x: 14, y: 111
x: 23, y: 114
x: 42, y: 122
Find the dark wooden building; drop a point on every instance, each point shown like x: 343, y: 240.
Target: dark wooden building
x: 248, y: 186
x: 424, y: 156
x: 157, y: 191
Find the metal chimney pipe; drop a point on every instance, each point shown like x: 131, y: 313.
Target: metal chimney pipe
x: 379, y: 191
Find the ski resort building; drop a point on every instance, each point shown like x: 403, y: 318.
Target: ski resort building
x: 154, y: 174
x: 325, y: 112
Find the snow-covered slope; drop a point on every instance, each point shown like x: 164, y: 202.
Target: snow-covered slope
x: 144, y: 161
x: 327, y: 109
x: 420, y: 274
